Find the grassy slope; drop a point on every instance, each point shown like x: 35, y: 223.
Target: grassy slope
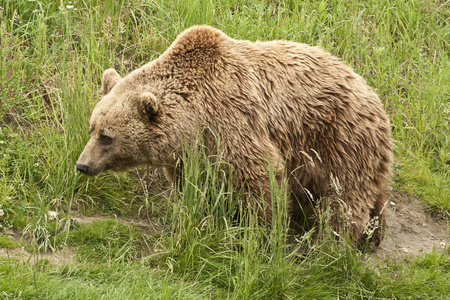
x: 51, y: 60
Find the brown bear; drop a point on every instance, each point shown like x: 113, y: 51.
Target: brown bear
x: 282, y: 105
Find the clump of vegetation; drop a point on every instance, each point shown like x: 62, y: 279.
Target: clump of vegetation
x: 109, y: 241
x: 8, y: 243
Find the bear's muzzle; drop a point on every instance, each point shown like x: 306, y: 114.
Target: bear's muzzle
x: 82, y: 168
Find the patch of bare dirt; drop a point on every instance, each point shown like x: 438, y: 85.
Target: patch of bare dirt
x: 410, y: 229
x: 58, y: 257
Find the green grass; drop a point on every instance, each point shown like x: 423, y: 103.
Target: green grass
x: 44, y: 281
x: 318, y: 276
x: 109, y: 241
x: 8, y: 243
x: 190, y: 244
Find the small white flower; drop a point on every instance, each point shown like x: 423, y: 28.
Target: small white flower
x: 52, y: 215
x: 2, y: 213
x: 69, y: 6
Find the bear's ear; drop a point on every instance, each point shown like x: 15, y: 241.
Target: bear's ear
x: 149, y: 105
x: 109, y: 80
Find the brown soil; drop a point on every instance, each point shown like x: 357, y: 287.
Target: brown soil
x: 58, y: 257
x: 410, y: 229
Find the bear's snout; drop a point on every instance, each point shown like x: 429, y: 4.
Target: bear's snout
x: 82, y: 168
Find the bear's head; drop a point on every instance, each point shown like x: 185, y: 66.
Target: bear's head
x: 128, y: 128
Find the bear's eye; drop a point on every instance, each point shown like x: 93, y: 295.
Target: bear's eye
x: 105, y: 140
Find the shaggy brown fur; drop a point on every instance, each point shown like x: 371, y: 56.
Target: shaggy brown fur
x: 282, y: 104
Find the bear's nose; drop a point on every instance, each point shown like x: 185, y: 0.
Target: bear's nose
x: 82, y: 168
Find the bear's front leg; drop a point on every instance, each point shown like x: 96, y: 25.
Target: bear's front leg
x: 261, y: 187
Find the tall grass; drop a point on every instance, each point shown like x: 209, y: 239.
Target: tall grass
x: 217, y: 238
x: 203, y: 241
